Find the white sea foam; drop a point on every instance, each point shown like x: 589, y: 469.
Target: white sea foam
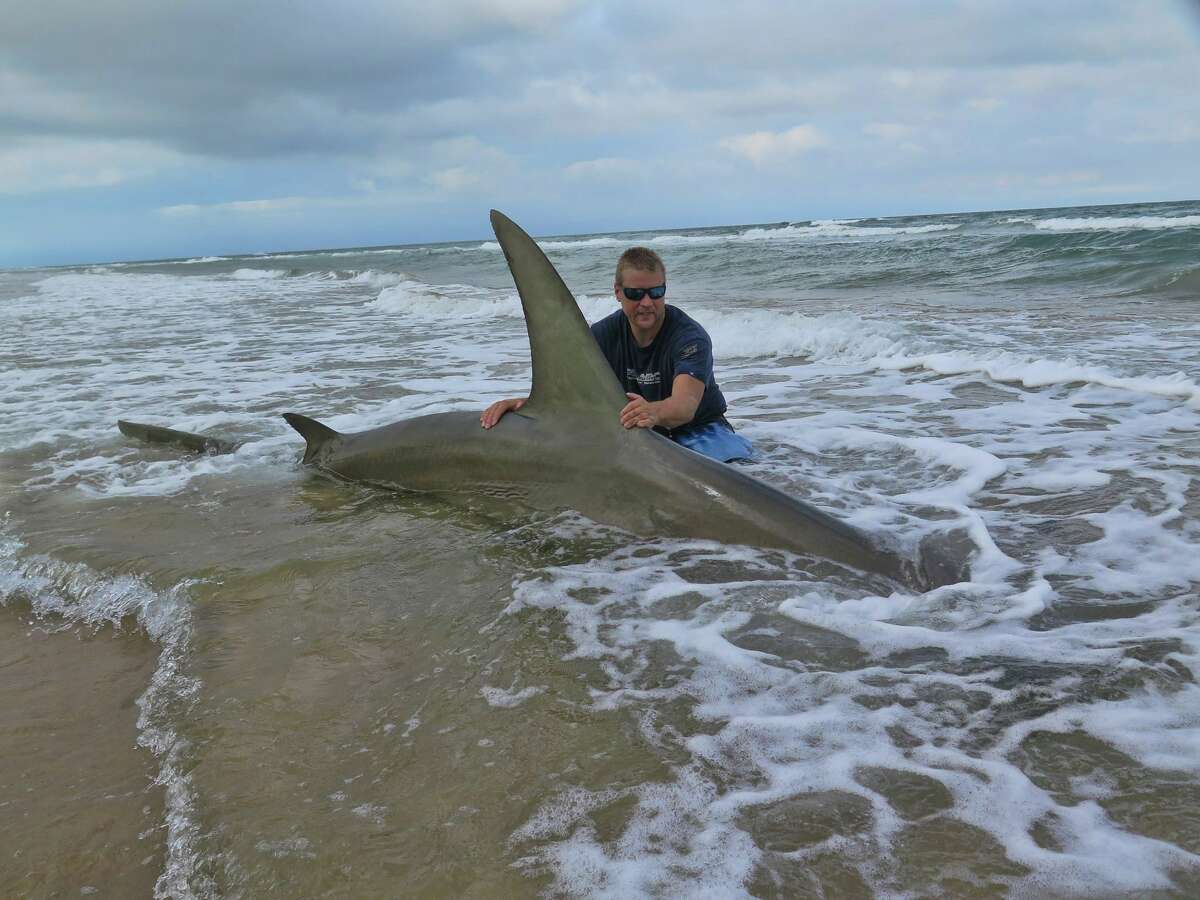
x: 848, y: 338
x: 766, y: 333
x: 1116, y: 223
x: 506, y: 699
x: 1032, y: 373
x: 832, y: 228
x: 785, y: 726
x: 257, y: 274
x: 420, y: 250
x: 452, y: 302
x: 201, y: 353
x: 419, y: 300
x: 835, y: 228
x: 382, y: 280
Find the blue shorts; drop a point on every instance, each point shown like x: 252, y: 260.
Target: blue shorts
x: 717, y: 440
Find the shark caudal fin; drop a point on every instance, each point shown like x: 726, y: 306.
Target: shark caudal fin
x: 156, y: 434
x: 569, y: 371
x: 318, y: 436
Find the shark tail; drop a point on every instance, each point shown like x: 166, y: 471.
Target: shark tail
x: 156, y: 434
x: 317, y: 435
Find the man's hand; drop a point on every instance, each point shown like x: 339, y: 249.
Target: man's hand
x: 678, y: 409
x: 496, y: 411
x: 639, y: 412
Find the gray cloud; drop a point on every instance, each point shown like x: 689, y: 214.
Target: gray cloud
x: 242, y: 80
x: 237, y: 79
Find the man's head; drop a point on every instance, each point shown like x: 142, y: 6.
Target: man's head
x: 640, y: 271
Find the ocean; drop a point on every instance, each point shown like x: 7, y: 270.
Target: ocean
x: 231, y: 676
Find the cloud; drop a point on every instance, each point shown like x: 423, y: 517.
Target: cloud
x: 1168, y: 132
x: 233, y: 80
x: 455, y: 179
x: 242, y: 207
x: 383, y: 168
x: 608, y: 169
x: 476, y: 164
x: 535, y: 15
x: 265, y: 81
x: 766, y: 147
x: 37, y: 165
x: 984, y: 104
x: 889, y: 131
x: 1083, y: 180
x: 932, y: 34
x: 895, y: 134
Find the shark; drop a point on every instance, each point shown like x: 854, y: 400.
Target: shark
x: 565, y: 449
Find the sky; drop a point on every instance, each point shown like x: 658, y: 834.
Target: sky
x: 140, y: 129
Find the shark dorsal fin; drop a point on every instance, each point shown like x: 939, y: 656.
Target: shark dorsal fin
x: 569, y: 371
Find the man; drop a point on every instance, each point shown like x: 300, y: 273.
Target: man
x: 663, y: 358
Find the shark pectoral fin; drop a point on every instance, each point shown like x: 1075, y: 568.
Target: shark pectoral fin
x: 569, y: 371
x: 317, y: 435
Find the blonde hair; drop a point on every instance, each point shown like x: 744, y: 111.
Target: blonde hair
x: 643, y: 259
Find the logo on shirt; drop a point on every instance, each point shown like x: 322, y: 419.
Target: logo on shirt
x: 689, y: 350
x: 643, y: 378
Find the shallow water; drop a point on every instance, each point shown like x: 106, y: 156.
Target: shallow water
x: 233, y: 677
x: 78, y: 808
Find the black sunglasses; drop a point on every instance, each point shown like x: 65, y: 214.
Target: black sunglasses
x: 636, y: 294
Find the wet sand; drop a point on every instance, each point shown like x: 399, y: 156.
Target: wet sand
x: 79, y: 811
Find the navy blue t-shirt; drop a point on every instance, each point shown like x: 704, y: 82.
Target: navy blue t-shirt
x: 681, y: 347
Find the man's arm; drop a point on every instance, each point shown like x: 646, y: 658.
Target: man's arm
x: 676, y: 410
